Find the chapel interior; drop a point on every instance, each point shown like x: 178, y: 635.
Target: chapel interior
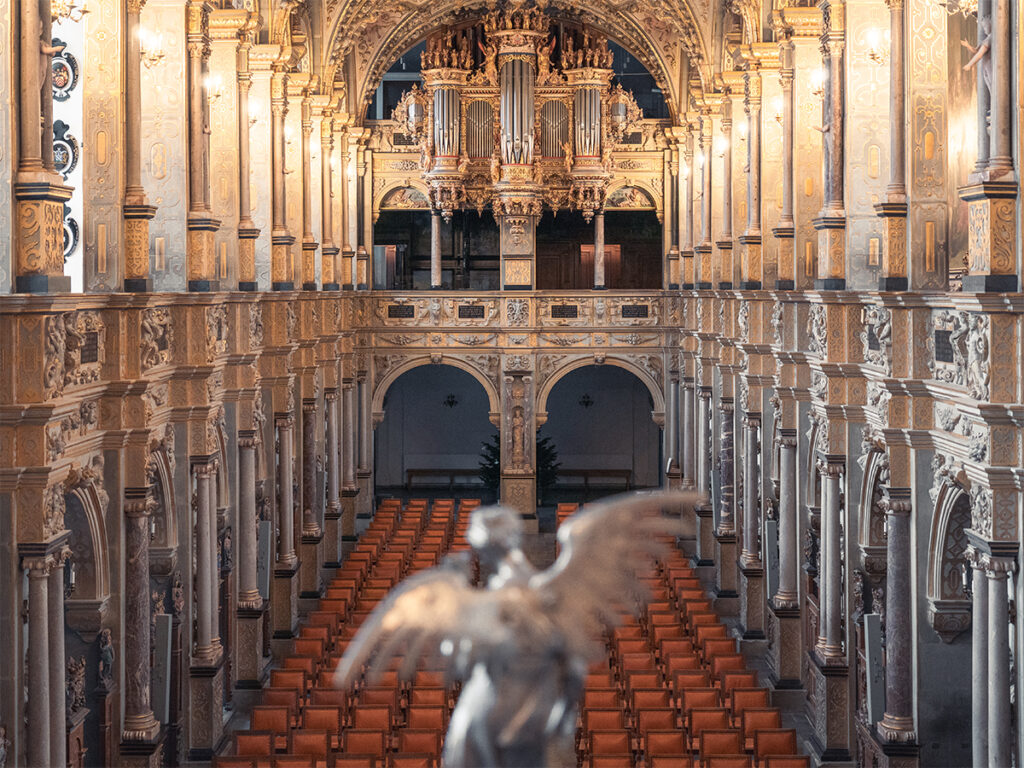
x: 288, y: 288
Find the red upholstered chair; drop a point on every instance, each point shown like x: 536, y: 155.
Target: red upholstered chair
x: 400, y: 760
x: 727, y: 761
x: 319, y: 717
x: 650, y: 698
x: 302, y: 741
x: 356, y: 761
x: 276, y: 720
x: 776, y: 741
x: 373, y: 717
x: 283, y: 697
x: 361, y: 742
x: 421, y: 741
x: 299, y: 761
x: 700, y: 719
x: 602, y: 698
x: 726, y: 741
x: 428, y: 697
x: 741, y: 699
x: 610, y: 744
x: 664, y: 744
x: 427, y: 717
x: 233, y: 761
x: 296, y: 679
x: 648, y: 720
x: 602, y: 720
x: 787, y: 761
x: 761, y: 719
x: 727, y: 663
x: 682, y: 679
x: 731, y: 680
x: 253, y: 743
x: 693, y: 698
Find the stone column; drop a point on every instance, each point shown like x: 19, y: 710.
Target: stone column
x: 750, y: 240
x: 139, y: 723
x: 831, y: 222
x: 685, y: 213
x: 752, y: 601
x: 204, y: 651
x: 247, y: 231
x: 686, y: 434
x: 367, y: 255
x: 702, y: 276
x: 286, y: 543
x: 599, y: 279
x: 670, y: 265
x: 704, y: 510
x: 39, y: 734
x: 687, y: 249
x: 281, y: 239
x: 785, y: 230
x: 328, y: 250
x: 981, y: 87
x: 213, y: 606
x: 1000, y: 727
x: 894, y: 209
x: 137, y: 210
x: 309, y: 243
x: 830, y: 640
x: 897, y: 725
x: 348, y: 464
x: 725, y: 267
x: 725, y: 534
x: 1003, y: 105
x: 435, y: 248
x: 249, y: 650
x: 979, y: 657
x: 364, y: 471
x: 671, y: 438
x: 332, y: 515
x: 312, y: 534
x: 201, y: 266
x: 347, y: 267
x: 787, y: 594
x: 58, y: 658
x: 39, y: 190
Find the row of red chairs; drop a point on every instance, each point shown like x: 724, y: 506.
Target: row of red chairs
x: 302, y: 719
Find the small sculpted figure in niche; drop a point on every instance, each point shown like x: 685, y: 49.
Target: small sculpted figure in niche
x: 982, y: 54
x: 46, y: 53
x: 518, y: 440
x: 521, y: 645
x: 106, y: 658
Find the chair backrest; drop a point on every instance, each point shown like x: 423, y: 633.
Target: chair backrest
x: 254, y: 743
x: 233, y: 761
x: 699, y: 719
x: 355, y: 761
x: 610, y: 743
x: 303, y: 741
x: 741, y: 679
x: 372, y: 717
x: 288, y: 678
x: 286, y: 697
x: 310, y: 646
x: 601, y: 698
x: 776, y: 741
x: 274, y: 719
x: 322, y: 717
x: 302, y: 664
x: 760, y: 719
x: 734, y: 662
x: 719, y: 646
x: 690, y: 678
x: 423, y: 740
x: 747, y: 698
x: 428, y: 697
x: 726, y: 761
x: 693, y: 698
x: 664, y: 743
x: 411, y: 761
x: 603, y: 719
x: 332, y: 696
x: 426, y: 717
x: 721, y: 741
x: 364, y: 742
x: 787, y: 761
x: 663, y: 719
x: 650, y: 698
x: 295, y: 761
x: 644, y: 679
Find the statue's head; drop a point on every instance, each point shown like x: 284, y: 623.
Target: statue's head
x: 494, y: 532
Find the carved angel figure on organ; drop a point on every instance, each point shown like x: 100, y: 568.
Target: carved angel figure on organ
x: 465, y: 52
x: 544, y: 50
x: 463, y: 161
x: 490, y: 52
x: 567, y: 151
x: 495, y: 169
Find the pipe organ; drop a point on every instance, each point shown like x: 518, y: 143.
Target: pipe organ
x: 520, y: 115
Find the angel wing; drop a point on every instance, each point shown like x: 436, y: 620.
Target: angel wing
x: 436, y: 615
x: 595, y: 577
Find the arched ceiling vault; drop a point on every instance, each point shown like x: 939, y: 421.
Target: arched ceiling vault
x: 371, y: 34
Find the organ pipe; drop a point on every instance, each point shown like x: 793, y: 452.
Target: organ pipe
x: 517, y: 78
x: 588, y: 122
x: 446, y: 122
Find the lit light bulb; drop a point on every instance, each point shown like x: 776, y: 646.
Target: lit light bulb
x: 721, y: 144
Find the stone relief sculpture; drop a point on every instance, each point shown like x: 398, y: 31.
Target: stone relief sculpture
x: 522, y: 645
x: 106, y: 658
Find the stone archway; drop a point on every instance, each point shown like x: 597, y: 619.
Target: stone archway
x: 645, y: 374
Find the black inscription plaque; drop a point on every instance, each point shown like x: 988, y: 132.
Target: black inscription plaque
x: 564, y: 311
x: 471, y: 312
x: 631, y: 311
x: 401, y: 311
x: 943, y: 348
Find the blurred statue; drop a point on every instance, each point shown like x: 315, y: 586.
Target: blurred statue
x: 522, y: 645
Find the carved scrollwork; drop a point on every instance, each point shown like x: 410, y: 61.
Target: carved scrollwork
x: 977, y: 357
x: 156, y: 336
x: 981, y: 510
x: 877, y: 337
x: 216, y: 331
x: 776, y: 322
x: 816, y: 326
x: 947, y: 347
x: 256, y: 325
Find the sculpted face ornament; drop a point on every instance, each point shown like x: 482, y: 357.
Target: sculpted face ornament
x: 522, y: 645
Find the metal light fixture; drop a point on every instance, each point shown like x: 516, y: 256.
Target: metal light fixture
x: 965, y: 578
x: 69, y: 579
x: 450, y: 402
x: 151, y: 48
x: 586, y: 401
x: 214, y: 89
x: 67, y: 9
x: 818, y: 83
x: 777, y: 109
x: 877, y: 47
x: 965, y: 7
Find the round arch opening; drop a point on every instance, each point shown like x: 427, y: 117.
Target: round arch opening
x: 599, y: 420
x: 429, y: 441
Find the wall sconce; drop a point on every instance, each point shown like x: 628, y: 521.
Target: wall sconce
x: 777, y: 109
x: 450, y: 402
x: 721, y: 144
x: 586, y: 401
x: 818, y: 83
x: 700, y: 158
x: 151, y: 48
x: 254, y: 113
x: 67, y: 9
x: 684, y: 169
x: 742, y: 128
x: 69, y: 579
x: 877, y: 48
x: 214, y: 89
x: 965, y: 578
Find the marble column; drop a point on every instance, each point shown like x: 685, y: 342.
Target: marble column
x: 281, y: 240
x: 38, y: 189
x: 204, y: 578
x: 213, y: 605
x: 201, y: 226
x: 705, y: 512
x: 979, y: 657
x: 348, y: 463
x: 830, y: 640
x: 787, y: 594
x: 346, y: 270
x: 328, y: 250
x: 247, y: 231
x: 312, y: 534
x: 137, y: 211
x: 831, y: 222
x: 1000, y: 727
x: 750, y: 240
x: 58, y: 658
x: 785, y: 229
x: 309, y: 243
x: 669, y: 169
x: 435, y: 248
x: 984, y: 99
x: 1003, y: 105
x: 752, y: 599
x: 685, y: 214
x: 286, y: 531
x: 332, y: 515
x: 364, y: 471
x: 599, y: 278
x: 687, y: 249
x: 249, y: 649
x: 725, y: 533
x: 703, y: 271
x: 366, y: 254
x: 687, y: 436
x: 671, y: 440
x: 248, y: 586
x: 139, y: 723
x: 725, y: 266
x: 897, y: 725
x: 39, y: 734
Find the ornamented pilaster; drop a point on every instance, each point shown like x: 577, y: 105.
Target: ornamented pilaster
x: 702, y: 251
x: 347, y: 254
x: 750, y: 240
x: 247, y: 231
x: 831, y: 222
x: 281, y: 239
x: 785, y: 230
x: 328, y: 250
x: 137, y: 210
x: 724, y: 243
x: 518, y: 427
x: 201, y: 226
x: 309, y: 243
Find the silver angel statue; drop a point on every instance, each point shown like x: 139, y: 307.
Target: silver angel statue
x: 522, y: 645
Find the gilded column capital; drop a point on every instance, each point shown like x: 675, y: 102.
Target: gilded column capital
x: 134, y: 6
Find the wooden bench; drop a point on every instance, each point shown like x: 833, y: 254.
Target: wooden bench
x: 451, y: 474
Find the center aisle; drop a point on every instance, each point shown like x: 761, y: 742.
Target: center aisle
x: 673, y: 692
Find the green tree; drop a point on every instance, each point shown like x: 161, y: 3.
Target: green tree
x: 547, y: 464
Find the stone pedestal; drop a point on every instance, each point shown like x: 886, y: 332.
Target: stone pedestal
x: 750, y: 251
x: 894, y: 246
x: 705, y: 535
x: 830, y: 713
x: 143, y: 754
x: 249, y: 653
x: 284, y: 600
x: 39, y: 212
x: 726, y: 594
x: 992, y: 259
x: 310, y: 558
x: 205, y: 714
x: 364, y: 500
x: 348, y: 517
x: 332, y: 537
x: 785, y: 646
x: 831, y: 253
x: 752, y: 609
x: 520, y: 493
